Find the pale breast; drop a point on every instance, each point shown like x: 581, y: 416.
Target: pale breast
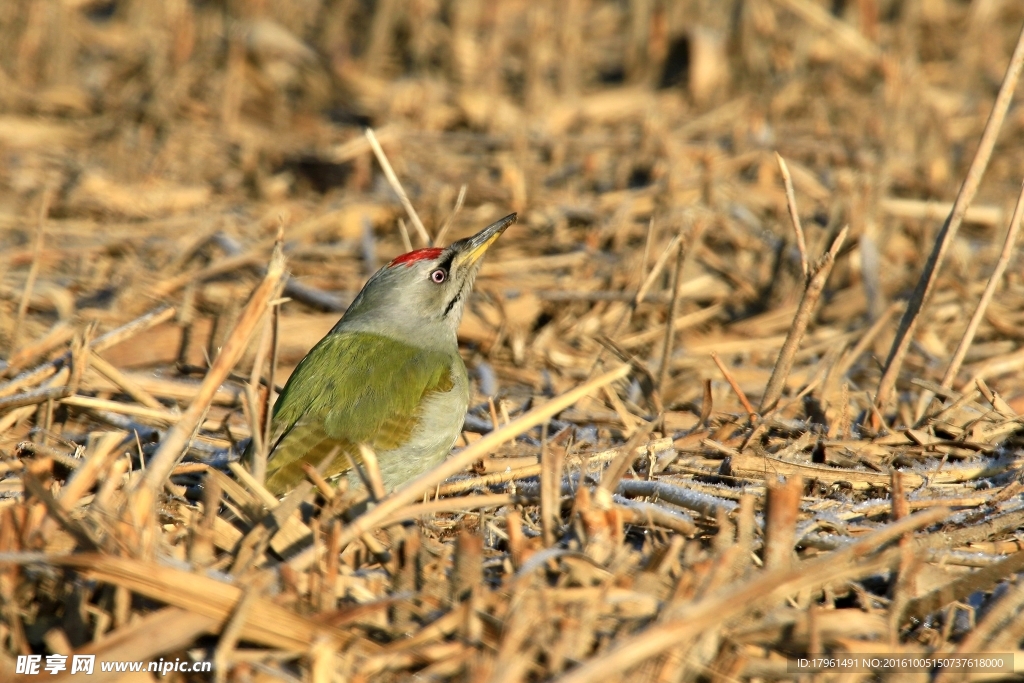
x: 440, y: 421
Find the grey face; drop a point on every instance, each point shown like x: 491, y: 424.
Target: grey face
x: 421, y: 295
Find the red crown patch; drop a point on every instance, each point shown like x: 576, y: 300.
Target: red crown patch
x: 414, y: 256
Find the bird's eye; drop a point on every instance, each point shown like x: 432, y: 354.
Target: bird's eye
x: 439, y: 276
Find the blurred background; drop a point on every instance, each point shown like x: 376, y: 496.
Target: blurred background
x: 164, y: 143
x: 151, y: 150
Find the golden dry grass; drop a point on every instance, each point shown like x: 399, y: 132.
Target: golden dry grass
x: 706, y: 435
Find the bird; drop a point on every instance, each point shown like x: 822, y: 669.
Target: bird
x: 387, y: 375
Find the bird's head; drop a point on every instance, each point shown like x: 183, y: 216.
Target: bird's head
x: 423, y: 293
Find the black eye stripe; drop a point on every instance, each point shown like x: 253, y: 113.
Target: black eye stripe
x: 445, y: 263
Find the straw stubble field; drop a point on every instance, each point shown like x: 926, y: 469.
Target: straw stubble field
x: 745, y: 378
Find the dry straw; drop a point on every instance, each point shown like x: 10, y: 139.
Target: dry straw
x: 676, y: 464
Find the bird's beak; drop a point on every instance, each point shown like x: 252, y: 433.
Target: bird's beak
x: 472, y: 248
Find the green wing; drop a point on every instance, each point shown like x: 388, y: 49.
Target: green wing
x: 352, y: 388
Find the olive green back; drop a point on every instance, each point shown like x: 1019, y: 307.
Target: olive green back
x: 352, y: 388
